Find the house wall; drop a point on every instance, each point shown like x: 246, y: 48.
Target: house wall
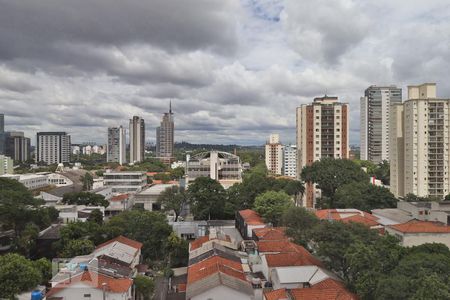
x: 222, y: 293
x: 78, y: 292
x: 251, y: 227
x: 416, y: 239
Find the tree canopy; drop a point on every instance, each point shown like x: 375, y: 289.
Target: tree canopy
x: 271, y: 205
x: 85, y: 198
x: 173, y: 198
x: 207, y: 199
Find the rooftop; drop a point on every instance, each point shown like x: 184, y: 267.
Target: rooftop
x: 213, y: 265
x: 156, y: 189
x: 280, y: 294
x: 270, y: 233
x: 299, y: 258
x: 251, y: 217
x: 123, y: 240
x: 326, y: 290
x: 416, y: 226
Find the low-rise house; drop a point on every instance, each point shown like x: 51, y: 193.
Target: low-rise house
x: 218, y: 278
x: 348, y: 215
x: 118, y: 204
x: 269, y: 234
x: 246, y: 221
x: 148, y: 198
x: 45, y: 240
x: 206, y: 243
x: 73, y: 213
x: 416, y: 232
x: 299, y: 276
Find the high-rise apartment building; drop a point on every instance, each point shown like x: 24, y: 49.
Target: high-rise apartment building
x: 165, y: 137
x: 374, y: 119
x: 290, y: 161
x: 137, y: 139
x: 53, y: 147
x: 322, y: 131
x: 116, y: 147
x: 274, y: 155
x: 17, y: 146
x: 6, y: 165
x: 2, y: 134
x: 419, y: 138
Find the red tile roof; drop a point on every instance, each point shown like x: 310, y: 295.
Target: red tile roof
x: 347, y: 216
x: 362, y: 220
x: 251, y: 217
x: 269, y: 233
x: 213, y: 265
x: 123, y: 240
x: 181, y: 287
x: 299, y: 258
x: 96, y: 280
x: 119, y: 197
x: 328, y: 289
x: 199, y: 242
x: 416, y: 226
x: 275, y: 246
x: 279, y: 294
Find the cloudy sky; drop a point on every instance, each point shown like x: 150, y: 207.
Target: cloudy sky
x: 234, y: 69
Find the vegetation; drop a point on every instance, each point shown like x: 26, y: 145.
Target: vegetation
x: 148, y: 165
x: 207, y: 199
x: 77, y: 247
x: 145, y: 287
x: 87, y: 181
x: 85, y: 198
x: 271, y: 205
x: 174, y: 198
x: 364, y: 196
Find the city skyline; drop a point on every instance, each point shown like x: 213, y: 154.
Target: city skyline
x: 234, y: 70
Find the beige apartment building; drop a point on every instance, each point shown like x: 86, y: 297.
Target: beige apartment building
x: 419, y: 144
x: 274, y: 155
x: 322, y: 131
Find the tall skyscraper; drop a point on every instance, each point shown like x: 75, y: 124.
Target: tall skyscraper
x: 322, y: 131
x: 2, y: 134
x: 274, y: 155
x: 137, y: 139
x: 375, y: 121
x: 165, y: 137
x: 290, y: 161
x: 419, y: 144
x: 116, y: 147
x: 17, y: 146
x: 53, y: 147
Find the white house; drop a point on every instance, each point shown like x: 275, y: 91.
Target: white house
x: 415, y: 232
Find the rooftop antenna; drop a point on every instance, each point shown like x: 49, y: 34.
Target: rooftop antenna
x: 170, y: 107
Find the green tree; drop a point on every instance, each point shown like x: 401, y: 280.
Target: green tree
x: 45, y: 268
x: 364, y: 196
x: 299, y: 224
x: 173, y: 199
x: 207, y: 199
x: 145, y: 287
x: 26, y: 242
x: 17, y: 274
x: 383, y: 172
x: 432, y: 287
x: 164, y: 177
x: 96, y: 216
x: 77, y: 247
x: 329, y: 174
x: 271, y: 205
x: 87, y: 181
x: 85, y: 198
x: 177, y: 173
x: 178, y: 251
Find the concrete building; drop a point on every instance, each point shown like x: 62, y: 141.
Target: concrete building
x: 53, y: 147
x: 116, y: 147
x: 17, y: 146
x: 2, y: 134
x: 415, y: 233
x: 221, y: 166
x: 322, y: 131
x: 148, y: 198
x: 6, y: 165
x: 30, y: 181
x: 375, y: 109
x: 125, y: 182
x: 290, y: 161
x: 137, y: 139
x: 274, y: 155
x: 419, y: 140
x: 165, y: 138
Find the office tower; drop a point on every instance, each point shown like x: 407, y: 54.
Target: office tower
x: 165, y: 137
x: 137, y: 139
x: 375, y: 121
x: 2, y: 134
x: 290, y: 161
x: 6, y: 165
x: 17, y: 146
x: 53, y: 147
x: 419, y: 140
x: 274, y: 155
x: 322, y: 131
x: 116, y: 147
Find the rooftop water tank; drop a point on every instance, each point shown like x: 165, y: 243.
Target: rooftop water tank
x: 36, y: 295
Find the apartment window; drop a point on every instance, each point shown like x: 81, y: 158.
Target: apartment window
x: 317, y: 117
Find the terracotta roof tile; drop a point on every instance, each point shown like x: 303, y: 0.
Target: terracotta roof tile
x: 279, y: 294
x: 269, y: 233
x: 119, y: 197
x: 416, y: 226
x: 298, y: 258
x: 213, y: 265
x: 328, y: 289
x: 197, y: 243
x: 281, y: 246
x: 123, y: 240
x: 361, y: 220
x: 96, y: 280
x: 346, y: 215
x: 251, y: 217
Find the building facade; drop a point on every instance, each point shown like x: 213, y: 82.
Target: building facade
x: 116, y: 147
x: 6, y: 165
x: 419, y: 144
x: 290, y: 161
x: 274, y: 155
x: 137, y: 139
x: 125, y: 182
x: 17, y: 146
x: 322, y: 131
x: 2, y: 134
x: 53, y: 147
x: 374, y: 110
x: 165, y: 138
